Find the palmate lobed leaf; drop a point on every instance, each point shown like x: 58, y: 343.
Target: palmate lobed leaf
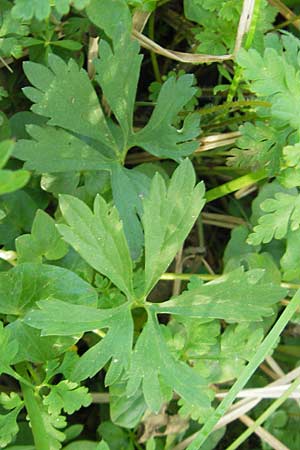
x: 235, y: 297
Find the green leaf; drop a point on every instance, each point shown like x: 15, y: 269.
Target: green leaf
x: 40, y: 9
x: 161, y: 369
x: 233, y: 297
x: 129, y: 187
x: 290, y: 260
x: 11, y: 181
x: 282, y: 214
x: 41, y: 153
x: 68, y: 44
x: 125, y: 411
x: 159, y: 137
x: 19, y: 208
x: 99, y: 238
x: 10, y: 401
x: 117, y: 438
x: 9, y: 348
x: 54, y: 318
x: 119, y: 83
x: 115, y: 20
x: 25, y: 284
x: 44, y: 240
x: 65, y: 95
x: 67, y: 396
x: 169, y: 214
x: 275, y: 76
x: 6, y: 148
x: 260, y: 145
x: 8, y: 427
x: 115, y: 346
x: 27, y: 10
x: 36, y: 348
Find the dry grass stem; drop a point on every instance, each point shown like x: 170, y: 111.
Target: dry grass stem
x: 264, y: 434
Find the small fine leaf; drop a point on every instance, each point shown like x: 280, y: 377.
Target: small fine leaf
x: 236, y: 296
x: 8, y: 427
x: 67, y: 396
x: 99, y: 238
x: 283, y: 214
x: 169, y: 214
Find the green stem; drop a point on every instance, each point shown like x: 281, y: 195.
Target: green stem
x: 262, y: 351
x: 264, y: 416
x: 153, y: 54
x: 235, y: 185
x: 39, y: 432
x: 234, y: 105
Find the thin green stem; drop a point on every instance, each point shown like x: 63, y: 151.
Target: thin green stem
x: 249, y: 39
x: 234, y: 105
x: 153, y: 54
x: 39, y: 432
x: 262, y: 351
x: 235, y: 185
x: 264, y: 416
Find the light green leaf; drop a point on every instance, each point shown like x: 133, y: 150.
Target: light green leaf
x: 10, y: 401
x: 236, y: 296
x: 169, y: 214
x: 40, y: 9
x: 8, y: 427
x: 44, y: 240
x: 275, y: 76
x: 35, y: 8
x: 290, y: 261
x: 282, y: 215
x: 65, y: 95
x: 6, y: 148
x: 55, y: 150
x: 152, y: 364
x: 99, y: 238
x: 11, y: 181
x: 159, y: 137
x: 67, y: 396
